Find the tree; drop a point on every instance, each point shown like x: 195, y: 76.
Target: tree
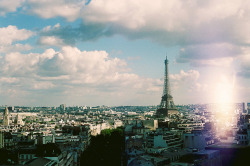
x: 4, y: 156
x: 105, y: 149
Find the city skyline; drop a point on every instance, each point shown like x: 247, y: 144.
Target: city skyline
x: 112, y: 52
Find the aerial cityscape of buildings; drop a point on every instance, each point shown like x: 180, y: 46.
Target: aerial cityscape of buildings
x: 88, y: 82
x: 168, y: 134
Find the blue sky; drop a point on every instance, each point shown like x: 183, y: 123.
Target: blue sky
x: 111, y: 52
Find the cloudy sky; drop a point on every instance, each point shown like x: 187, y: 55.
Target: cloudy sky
x: 111, y: 52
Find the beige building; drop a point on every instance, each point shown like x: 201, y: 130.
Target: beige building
x: 6, y: 120
x: 18, y: 120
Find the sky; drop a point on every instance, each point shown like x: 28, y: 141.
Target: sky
x: 112, y: 52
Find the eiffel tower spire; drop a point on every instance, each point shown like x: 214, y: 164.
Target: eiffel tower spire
x: 167, y: 106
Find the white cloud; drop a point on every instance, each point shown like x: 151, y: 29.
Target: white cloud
x: 82, y: 72
x: 50, y: 41
x: 63, y: 8
x: 188, y: 21
x: 191, y: 74
x: 207, y: 29
x: 9, y: 6
x: 14, y: 48
x: 10, y: 34
x: 8, y: 80
x: 168, y: 22
x: 15, y: 64
x: 209, y: 34
x: 185, y: 79
x: 137, y: 14
x: 187, y: 87
x: 49, y: 28
x: 43, y: 85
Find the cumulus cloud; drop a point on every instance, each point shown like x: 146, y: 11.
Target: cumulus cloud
x: 188, y: 21
x: 50, y: 41
x: 63, y: 8
x: 16, y: 48
x: 186, y: 79
x: 188, y: 83
x: 209, y: 34
x: 168, y: 22
x: 211, y: 22
x: 15, y: 64
x: 69, y: 69
x: 9, y: 6
x: 205, y: 31
x: 11, y: 34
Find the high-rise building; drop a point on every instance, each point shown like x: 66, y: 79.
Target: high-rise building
x: 6, y: 117
x: 167, y: 107
x: 248, y: 108
x: 62, y: 107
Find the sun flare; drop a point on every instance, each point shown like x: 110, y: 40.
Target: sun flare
x: 224, y: 113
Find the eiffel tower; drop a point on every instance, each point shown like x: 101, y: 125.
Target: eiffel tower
x: 167, y: 107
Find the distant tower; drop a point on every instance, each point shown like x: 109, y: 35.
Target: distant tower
x: 62, y: 107
x: 18, y: 120
x: 6, y: 117
x: 167, y: 107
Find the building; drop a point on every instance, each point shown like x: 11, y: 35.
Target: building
x: 45, y: 139
x: 1, y: 140
x: 62, y: 107
x: 9, y: 143
x: 194, y: 139
x: 163, y: 140
x: 167, y: 106
x: 248, y: 108
x: 26, y: 154
x: 242, y: 137
x: 6, y: 120
x: 204, y: 158
x: 18, y: 120
x: 232, y: 154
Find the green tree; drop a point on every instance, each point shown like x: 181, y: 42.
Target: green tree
x: 4, y: 156
x: 105, y: 149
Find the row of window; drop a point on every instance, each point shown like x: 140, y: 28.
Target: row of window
x: 27, y: 156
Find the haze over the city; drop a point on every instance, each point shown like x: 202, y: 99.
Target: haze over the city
x: 112, y: 52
